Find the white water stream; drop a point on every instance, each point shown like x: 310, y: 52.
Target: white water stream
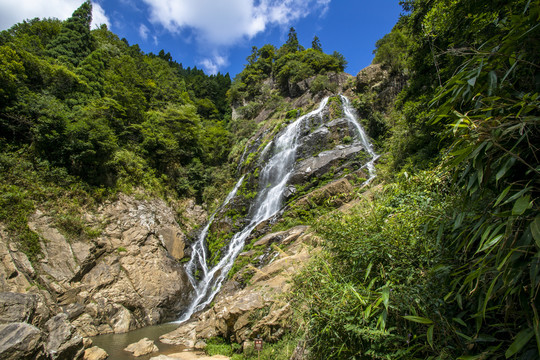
x: 272, y: 183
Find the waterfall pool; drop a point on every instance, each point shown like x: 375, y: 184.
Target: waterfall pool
x: 114, y: 344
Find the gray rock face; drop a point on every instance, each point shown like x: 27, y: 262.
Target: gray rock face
x: 321, y: 164
x: 63, y: 342
x: 13, y: 264
x: 20, y: 341
x: 16, y: 307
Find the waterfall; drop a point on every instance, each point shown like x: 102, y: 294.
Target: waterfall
x: 350, y: 115
x: 272, y: 184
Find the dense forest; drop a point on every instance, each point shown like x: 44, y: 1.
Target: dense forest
x: 442, y: 263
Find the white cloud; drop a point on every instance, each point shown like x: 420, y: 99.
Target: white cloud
x: 224, y: 22
x: 212, y: 65
x: 143, y: 31
x: 12, y: 12
x: 99, y: 17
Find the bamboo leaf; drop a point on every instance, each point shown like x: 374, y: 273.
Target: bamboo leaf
x: 502, y: 196
x: 488, y: 295
x: 368, y: 270
x: 507, y: 165
x: 385, y: 296
x: 521, y: 205
x: 430, y: 335
x: 522, y: 338
x: 491, y: 243
x: 535, y: 230
x: 418, y: 319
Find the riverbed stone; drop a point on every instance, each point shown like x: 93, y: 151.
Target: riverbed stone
x: 95, y: 353
x: 144, y: 346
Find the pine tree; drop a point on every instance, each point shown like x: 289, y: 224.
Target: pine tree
x: 74, y: 42
x: 316, y: 44
x: 292, y: 44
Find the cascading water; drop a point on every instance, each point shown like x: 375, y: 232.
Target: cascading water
x: 350, y: 114
x: 272, y: 183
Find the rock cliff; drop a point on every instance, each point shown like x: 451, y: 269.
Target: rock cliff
x: 127, y: 277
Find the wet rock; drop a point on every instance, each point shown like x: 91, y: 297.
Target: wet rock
x: 15, y: 307
x: 95, y: 353
x: 63, y: 342
x: 20, y: 341
x: 142, y: 347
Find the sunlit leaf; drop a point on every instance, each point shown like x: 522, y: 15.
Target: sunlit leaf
x: 418, y: 319
x: 521, y: 205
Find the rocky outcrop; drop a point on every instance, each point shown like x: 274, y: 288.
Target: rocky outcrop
x: 144, y: 346
x: 336, y: 80
x: 335, y: 194
x: 15, y: 268
x: 382, y: 84
x: 240, y: 314
x: 127, y: 277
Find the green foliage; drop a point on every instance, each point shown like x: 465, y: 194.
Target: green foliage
x: 288, y: 65
x: 472, y: 101
x: 391, y: 50
x: 12, y: 71
x: 381, y: 264
x: 494, y: 160
x: 316, y: 44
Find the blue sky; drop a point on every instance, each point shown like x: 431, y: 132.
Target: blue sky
x: 217, y: 35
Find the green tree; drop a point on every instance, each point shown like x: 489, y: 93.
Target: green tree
x: 11, y: 74
x: 74, y: 42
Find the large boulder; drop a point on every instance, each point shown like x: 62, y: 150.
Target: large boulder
x: 95, y: 353
x: 20, y: 341
x: 371, y: 77
x: 63, y: 342
x: 322, y: 163
x: 15, y: 307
